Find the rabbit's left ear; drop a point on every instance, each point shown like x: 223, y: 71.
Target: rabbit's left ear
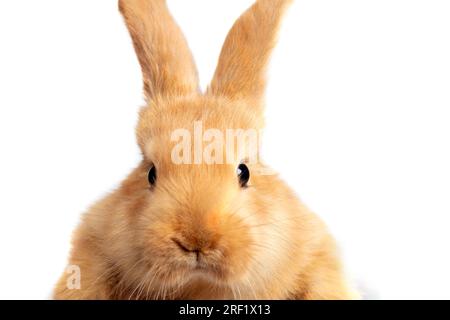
x: 240, y: 73
x: 167, y: 65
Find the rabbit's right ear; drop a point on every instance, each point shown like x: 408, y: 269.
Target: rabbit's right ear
x: 167, y: 65
x: 240, y: 73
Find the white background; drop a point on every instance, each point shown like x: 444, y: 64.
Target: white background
x: 358, y: 112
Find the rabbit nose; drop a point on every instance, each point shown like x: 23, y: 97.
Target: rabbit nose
x: 196, y: 245
x: 186, y: 248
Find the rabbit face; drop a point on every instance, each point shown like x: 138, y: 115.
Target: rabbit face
x: 198, y: 214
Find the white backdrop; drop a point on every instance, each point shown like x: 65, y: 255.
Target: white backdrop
x: 358, y: 113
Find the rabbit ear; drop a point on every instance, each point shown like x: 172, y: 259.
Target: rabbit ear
x: 166, y: 61
x: 240, y: 73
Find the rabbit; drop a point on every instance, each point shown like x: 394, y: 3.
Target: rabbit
x: 229, y: 230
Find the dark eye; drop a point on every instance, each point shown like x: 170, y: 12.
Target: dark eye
x: 243, y: 174
x: 152, y: 175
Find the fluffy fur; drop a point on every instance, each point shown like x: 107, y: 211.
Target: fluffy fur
x: 256, y: 243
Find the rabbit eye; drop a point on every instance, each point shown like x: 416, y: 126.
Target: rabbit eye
x: 152, y: 175
x: 243, y: 174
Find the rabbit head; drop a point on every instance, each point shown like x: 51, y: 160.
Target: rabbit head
x: 205, y: 205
